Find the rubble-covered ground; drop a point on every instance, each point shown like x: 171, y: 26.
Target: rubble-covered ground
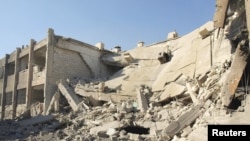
x: 171, y: 97
x: 180, y: 118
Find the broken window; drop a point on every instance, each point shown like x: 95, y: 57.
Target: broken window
x: 40, y: 59
x: 164, y: 57
x: 37, y: 95
x: 24, y: 63
x: 11, y: 68
x: 9, y: 98
x: 21, y: 96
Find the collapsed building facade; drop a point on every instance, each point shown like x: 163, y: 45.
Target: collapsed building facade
x: 29, y: 74
x: 204, y: 70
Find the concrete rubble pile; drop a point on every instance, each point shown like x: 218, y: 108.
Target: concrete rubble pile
x: 168, y: 91
x: 141, y: 118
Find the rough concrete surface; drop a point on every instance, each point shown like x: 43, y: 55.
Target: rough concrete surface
x: 168, y: 91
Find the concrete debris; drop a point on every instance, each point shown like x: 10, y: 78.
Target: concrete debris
x: 54, y: 102
x: 168, y: 91
x: 142, y: 101
x: 36, y: 120
x: 192, y: 94
x: 235, y: 72
x: 69, y: 94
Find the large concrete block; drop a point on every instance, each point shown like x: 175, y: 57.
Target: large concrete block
x: 171, y: 90
x: 36, y: 120
x: 142, y: 101
x: 69, y: 94
x: 105, y: 127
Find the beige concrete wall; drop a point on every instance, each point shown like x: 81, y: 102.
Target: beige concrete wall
x: 24, y: 63
x: 38, y: 78
x: 24, y: 52
x: 21, y: 108
x: 89, y: 53
x: 12, y: 57
x: 68, y: 64
x: 10, y: 84
x: 8, y: 112
x: 22, y: 80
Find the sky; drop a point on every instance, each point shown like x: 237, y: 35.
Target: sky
x: 121, y: 23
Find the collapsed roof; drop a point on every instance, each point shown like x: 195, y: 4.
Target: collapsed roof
x: 165, y: 91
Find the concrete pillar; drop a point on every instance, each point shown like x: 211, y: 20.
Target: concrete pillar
x: 3, y: 102
x: 30, y: 75
x: 49, y: 87
x: 16, y: 74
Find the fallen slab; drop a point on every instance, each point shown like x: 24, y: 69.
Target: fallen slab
x: 184, y: 120
x: 171, y: 90
x: 69, y: 94
x: 235, y: 73
x: 96, y: 97
x: 36, y: 120
x: 55, y: 98
x: 105, y: 127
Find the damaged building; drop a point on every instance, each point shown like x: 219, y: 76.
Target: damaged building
x: 30, y: 74
x: 170, y: 90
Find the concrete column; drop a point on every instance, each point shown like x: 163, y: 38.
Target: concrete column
x: 30, y: 75
x: 16, y: 74
x: 3, y: 102
x: 49, y: 87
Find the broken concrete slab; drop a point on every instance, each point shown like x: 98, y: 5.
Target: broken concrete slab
x: 163, y: 78
x: 192, y: 94
x: 96, y: 97
x: 142, y: 101
x: 36, y: 120
x: 55, y: 98
x: 171, y: 90
x: 69, y: 94
x: 183, y: 121
x: 105, y: 127
x: 235, y: 73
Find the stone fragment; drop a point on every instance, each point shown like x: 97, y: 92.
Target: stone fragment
x: 105, y: 127
x: 192, y: 94
x: 142, y: 101
x: 204, y: 33
x: 112, y: 132
x: 69, y: 94
x: 171, y: 90
x: 186, y: 131
x: 36, y: 120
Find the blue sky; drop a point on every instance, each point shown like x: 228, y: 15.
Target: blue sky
x: 113, y: 22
